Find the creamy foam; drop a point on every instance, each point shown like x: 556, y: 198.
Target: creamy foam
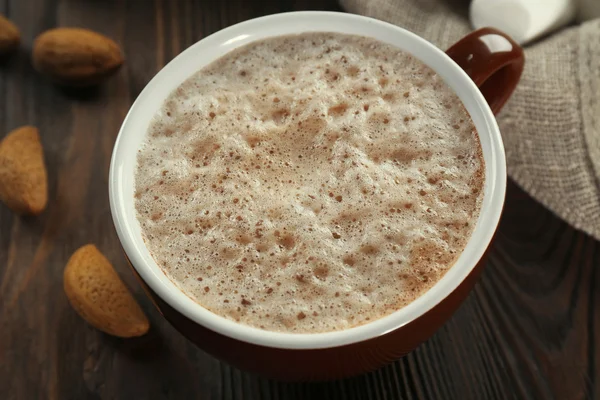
x: 309, y: 183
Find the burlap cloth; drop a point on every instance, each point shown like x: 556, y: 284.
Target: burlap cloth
x: 551, y: 125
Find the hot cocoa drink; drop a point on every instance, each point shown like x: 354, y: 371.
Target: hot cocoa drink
x: 309, y: 183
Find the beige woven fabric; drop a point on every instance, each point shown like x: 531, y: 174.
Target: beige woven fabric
x: 551, y: 125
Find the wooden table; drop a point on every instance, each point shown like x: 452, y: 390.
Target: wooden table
x: 530, y: 329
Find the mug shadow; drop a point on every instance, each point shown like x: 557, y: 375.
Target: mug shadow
x: 135, y: 368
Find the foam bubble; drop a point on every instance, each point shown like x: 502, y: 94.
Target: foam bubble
x: 309, y: 183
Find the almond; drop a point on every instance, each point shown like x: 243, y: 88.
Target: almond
x: 9, y: 36
x: 76, y: 57
x: 100, y: 297
x: 23, y: 176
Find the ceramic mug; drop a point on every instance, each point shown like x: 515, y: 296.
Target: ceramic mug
x: 486, y: 58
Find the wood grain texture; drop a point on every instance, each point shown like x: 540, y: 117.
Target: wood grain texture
x: 530, y: 329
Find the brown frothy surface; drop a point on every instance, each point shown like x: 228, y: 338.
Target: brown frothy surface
x: 309, y: 183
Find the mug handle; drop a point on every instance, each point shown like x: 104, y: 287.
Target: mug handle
x: 493, y: 60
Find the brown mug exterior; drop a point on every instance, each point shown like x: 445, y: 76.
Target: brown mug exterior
x: 493, y: 60
x: 496, y: 72
x: 319, y: 364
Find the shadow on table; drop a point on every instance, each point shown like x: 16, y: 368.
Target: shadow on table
x: 500, y: 343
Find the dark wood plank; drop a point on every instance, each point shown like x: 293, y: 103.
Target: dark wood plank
x: 530, y: 330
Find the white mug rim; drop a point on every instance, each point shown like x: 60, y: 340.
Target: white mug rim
x: 223, y: 41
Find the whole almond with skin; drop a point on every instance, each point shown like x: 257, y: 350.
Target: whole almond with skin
x: 100, y: 297
x: 75, y: 56
x: 9, y: 36
x: 23, y: 176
